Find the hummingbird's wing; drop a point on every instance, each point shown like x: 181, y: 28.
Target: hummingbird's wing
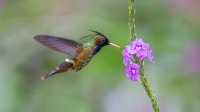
x: 60, y: 44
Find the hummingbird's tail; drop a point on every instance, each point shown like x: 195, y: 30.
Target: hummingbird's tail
x: 65, y: 66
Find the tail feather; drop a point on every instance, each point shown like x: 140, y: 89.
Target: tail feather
x: 65, y: 66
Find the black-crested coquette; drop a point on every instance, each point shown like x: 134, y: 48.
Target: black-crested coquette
x: 79, y: 53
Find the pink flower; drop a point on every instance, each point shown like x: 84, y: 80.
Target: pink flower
x: 143, y: 51
x: 127, y: 56
x: 133, y: 71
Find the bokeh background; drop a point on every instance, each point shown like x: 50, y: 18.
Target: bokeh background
x: 170, y: 26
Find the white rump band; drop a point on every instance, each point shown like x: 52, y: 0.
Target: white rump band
x: 68, y: 60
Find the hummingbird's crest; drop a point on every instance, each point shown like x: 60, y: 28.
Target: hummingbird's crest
x: 98, y: 33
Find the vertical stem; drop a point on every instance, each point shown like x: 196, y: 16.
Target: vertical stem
x: 144, y: 81
x: 150, y: 94
x: 132, y: 20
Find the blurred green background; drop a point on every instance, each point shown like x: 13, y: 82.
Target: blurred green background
x: 171, y: 27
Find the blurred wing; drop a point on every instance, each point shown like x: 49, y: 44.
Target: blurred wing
x: 60, y: 44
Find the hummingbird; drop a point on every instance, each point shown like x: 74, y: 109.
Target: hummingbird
x: 79, y: 53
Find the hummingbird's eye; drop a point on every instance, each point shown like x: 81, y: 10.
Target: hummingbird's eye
x: 103, y: 41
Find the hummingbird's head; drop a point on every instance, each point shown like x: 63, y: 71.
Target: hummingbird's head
x: 101, y: 40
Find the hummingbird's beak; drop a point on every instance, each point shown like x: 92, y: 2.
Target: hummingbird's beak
x: 114, y: 45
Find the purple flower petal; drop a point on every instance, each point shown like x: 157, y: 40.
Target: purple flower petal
x: 127, y: 56
x: 141, y: 49
x: 150, y: 56
x: 132, y: 71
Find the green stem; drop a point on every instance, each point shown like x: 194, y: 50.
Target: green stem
x: 132, y: 20
x: 146, y: 86
x: 150, y: 94
x: 144, y: 80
